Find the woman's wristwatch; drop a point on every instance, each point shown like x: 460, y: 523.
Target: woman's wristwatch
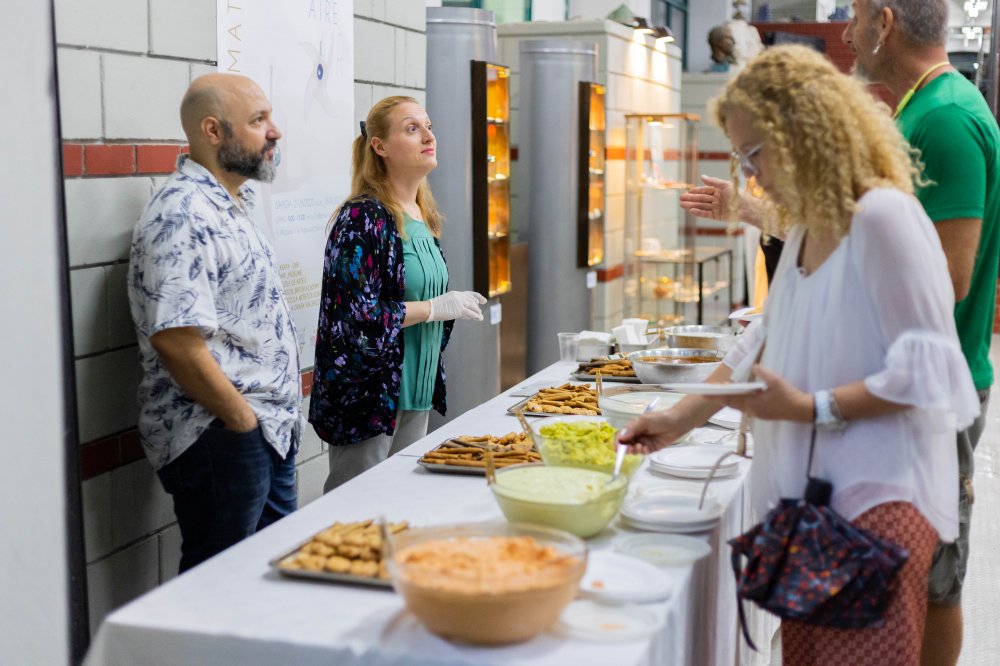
x: 826, y: 413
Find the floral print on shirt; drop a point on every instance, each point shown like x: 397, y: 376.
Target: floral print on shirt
x: 359, y: 345
x: 198, y: 260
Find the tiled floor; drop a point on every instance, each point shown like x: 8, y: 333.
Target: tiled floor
x: 981, y: 597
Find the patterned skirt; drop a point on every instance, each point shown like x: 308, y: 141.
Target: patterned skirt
x: 898, y: 641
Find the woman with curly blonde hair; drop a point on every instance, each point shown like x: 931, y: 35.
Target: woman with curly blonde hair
x: 861, y: 346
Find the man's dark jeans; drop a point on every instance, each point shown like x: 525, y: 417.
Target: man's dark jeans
x: 225, y: 487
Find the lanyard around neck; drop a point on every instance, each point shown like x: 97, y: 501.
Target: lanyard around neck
x: 916, y: 86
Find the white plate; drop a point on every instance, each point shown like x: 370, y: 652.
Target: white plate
x: 669, y: 529
x: 745, y: 314
x: 683, y: 473
x: 620, y: 579
x: 671, y: 510
x: 673, y: 488
x: 590, y: 621
x: 663, y: 549
x: 704, y: 388
x: 727, y: 417
x: 713, y: 437
x: 692, y: 456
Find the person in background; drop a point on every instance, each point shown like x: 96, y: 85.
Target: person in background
x: 902, y: 44
x: 720, y: 41
x: 220, y: 392
x: 385, y: 310
x: 859, y: 314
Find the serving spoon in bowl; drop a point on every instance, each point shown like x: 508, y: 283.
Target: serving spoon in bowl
x: 621, y: 449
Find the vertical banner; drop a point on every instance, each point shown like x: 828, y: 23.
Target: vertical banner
x: 301, y: 52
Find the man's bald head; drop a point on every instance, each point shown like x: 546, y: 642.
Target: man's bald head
x: 215, y: 95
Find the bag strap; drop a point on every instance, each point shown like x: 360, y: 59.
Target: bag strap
x: 735, y: 559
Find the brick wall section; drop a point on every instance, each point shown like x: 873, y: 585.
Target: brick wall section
x: 836, y: 50
x: 120, y: 159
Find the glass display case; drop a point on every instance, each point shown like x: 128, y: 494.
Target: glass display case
x: 590, y: 200
x: 668, y: 278
x: 490, y: 178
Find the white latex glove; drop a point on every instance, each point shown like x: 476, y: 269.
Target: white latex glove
x: 456, y: 305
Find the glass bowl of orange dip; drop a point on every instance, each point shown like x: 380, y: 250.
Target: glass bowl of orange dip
x: 487, y: 583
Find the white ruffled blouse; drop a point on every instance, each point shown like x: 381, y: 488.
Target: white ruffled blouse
x: 878, y: 309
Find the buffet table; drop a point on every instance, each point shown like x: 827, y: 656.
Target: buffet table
x: 234, y: 609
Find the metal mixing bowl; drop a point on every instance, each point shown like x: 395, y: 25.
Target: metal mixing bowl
x: 699, y: 337
x: 661, y: 372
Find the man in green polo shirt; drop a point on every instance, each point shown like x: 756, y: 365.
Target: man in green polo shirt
x: 901, y: 43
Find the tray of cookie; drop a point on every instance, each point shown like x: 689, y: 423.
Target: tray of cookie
x: 342, y: 553
x: 467, y: 454
x: 566, y: 400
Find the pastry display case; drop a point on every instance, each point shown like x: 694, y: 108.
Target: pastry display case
x: 590, y: 198
x: 490, y: 178
x: 669, y: 279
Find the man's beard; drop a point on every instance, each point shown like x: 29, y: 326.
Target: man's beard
x: 860, y: 72
x: 235, y: 158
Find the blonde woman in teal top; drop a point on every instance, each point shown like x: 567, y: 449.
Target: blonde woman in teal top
x: 385, y: 309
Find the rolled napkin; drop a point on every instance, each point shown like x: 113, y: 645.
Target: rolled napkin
x: 628, y: 335
x: 638, y: 324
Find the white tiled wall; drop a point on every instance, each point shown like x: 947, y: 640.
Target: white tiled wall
x: 121, y: 577
x: 141, y: 97
x: 182, y: 28
x: 100, y: 215
x: 80, y: 81
x: 105, y: 393
x: 123, y: 68
x: 119, y: 25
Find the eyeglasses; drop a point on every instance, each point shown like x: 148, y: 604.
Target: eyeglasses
x: 748, y: 168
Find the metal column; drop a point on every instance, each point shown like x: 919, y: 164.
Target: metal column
x: 548, y: 155
x: 456, y: 36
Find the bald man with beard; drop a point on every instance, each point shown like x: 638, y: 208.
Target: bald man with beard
x: 219, y: 398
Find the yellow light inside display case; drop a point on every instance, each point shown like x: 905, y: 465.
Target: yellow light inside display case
x: 491, y: 178
x: 590, y: 201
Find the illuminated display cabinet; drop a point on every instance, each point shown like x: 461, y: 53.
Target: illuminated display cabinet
x: 590, y: 200
x: 669, y: 278
x: 491, y: 178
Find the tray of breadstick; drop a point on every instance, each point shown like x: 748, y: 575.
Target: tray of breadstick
x: 467, y: 454
x: 566, y: 400
x: 612, y: 370
x: 342, y: 553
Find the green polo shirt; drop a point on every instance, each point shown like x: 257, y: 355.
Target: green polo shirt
x: 949, y: 122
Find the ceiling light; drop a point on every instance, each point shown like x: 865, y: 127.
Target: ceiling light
x: 663, y: 36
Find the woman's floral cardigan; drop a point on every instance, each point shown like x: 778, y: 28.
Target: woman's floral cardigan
x: 359, y: 344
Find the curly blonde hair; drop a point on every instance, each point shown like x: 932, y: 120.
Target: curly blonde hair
x: 829, y: 139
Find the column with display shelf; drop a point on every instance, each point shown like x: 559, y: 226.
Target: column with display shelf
x: 669, y: 279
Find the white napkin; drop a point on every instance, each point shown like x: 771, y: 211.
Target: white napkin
x: 595, y: 337
x: 627, y: 335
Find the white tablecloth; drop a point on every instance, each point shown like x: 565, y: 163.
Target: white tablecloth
x: 234, y: 609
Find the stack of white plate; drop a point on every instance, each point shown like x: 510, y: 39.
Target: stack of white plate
x: 727, y: 417
x: 693, y: 461
x: 677, y: 514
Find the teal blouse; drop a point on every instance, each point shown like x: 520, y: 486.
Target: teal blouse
x: 425, y: 276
